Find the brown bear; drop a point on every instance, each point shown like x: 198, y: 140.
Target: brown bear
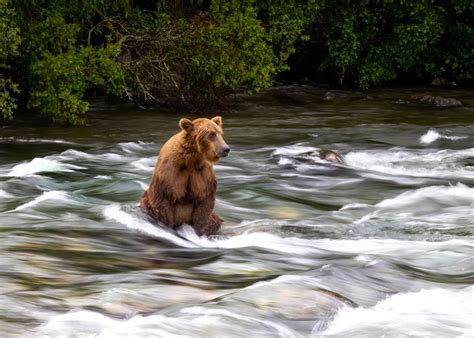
x: 183, y: 186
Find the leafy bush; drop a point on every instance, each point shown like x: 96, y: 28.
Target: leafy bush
x: 233, y: 51
x: 454, y: 56
x: 196, y: 60
x: 60, y: 81
x: 366, y: 43
x: 9, y: 50
x: 59, y: 70
x: 372, y: 42
x: 194, y: 53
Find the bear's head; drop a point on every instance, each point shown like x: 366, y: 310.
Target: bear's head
x: 207, y: 136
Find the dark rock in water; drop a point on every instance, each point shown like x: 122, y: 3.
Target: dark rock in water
x: 331, y: 96
x: 436, y: 101
x: 344, y: 95
x: 331, y: 155
x: 400, y: 101
x: 441, y: 81
x: 438, y: 82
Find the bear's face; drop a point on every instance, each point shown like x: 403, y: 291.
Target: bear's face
x: 207, y: 136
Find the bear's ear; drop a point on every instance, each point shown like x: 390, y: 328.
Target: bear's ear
x: 186, y: 125
x: 217, y: 120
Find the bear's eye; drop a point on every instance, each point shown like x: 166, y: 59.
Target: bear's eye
x: 212, y: 136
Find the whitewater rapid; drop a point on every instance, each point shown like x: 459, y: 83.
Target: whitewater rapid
x: 379, y: 246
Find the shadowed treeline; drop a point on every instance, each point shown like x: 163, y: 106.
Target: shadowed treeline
x: 192, y: 54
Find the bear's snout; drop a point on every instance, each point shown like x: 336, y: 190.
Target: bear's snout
x: 225, y: 152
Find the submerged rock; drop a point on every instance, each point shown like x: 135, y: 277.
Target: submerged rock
x: 286, y: 213
x: 436, y: 101
x: 331, y: 155
x: 344, y: 95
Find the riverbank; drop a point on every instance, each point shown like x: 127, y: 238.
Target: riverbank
x: 291, y: 95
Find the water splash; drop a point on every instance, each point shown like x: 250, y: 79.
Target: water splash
x: 432, y: 135
x: 138, y: 222
x: 457, y: 195
x: 40, y: 165
x: 446, y: 312
x: 61, y: 196
x: 4, y: 194
x: 412, y: 163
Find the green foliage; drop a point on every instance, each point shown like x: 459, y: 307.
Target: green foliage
x: 232, y: 50
x: 368, y: 43
x: 371, y: 42
x: 9, y: 49
x: 52, y: 35
x: 195, y: 61
x: 455, y: 54
x: 59, y: 81
x: 59, y: 68
x: 7, y: 101
x: 157, y: 64
x: 194, y: 53
x: 286, y: 23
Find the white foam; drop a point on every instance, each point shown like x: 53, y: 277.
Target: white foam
x: 191, y: 239
x: 33, y: 140
x: 38, y: 165
x: 132, y: 147
x: 293, y: 245
x: 283, y: 279
x: 293, y: 150
x: 448, y: 313
x: 281, y: 330
x: 441, y: 206
x: 48, y: 195
x: 355, y: 206
x: 143, y: 186
x: 114, y: 212
x: 103, y: 177
x: 285, y: 161
x: 414, y: 163
x: 366, y: 259
x: 145, y: 164
x: 429, y: 137
x: 89, y: 323
x: 74, y: 154
x: 198, y: 321
x: 456, y: 195
x: 4, y: 194
x: 423, y: 254
x: 303, y: 247
x: 432, y: 135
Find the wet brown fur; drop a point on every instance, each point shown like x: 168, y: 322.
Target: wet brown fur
x: 183, y: 186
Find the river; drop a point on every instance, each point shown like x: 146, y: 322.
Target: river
x: 381, y: 246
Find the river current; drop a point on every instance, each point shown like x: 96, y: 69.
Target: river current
x: 380, y: 246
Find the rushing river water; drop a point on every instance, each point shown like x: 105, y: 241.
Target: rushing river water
x: 382, y: 246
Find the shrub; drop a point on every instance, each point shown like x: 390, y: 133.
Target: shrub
x: 194, y: 53
x: 59, y: 81
x: 9, y: 50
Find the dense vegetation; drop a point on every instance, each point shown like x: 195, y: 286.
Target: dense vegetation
x: 193, y: 53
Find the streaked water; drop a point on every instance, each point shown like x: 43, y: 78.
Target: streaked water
x: 381, y: 246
